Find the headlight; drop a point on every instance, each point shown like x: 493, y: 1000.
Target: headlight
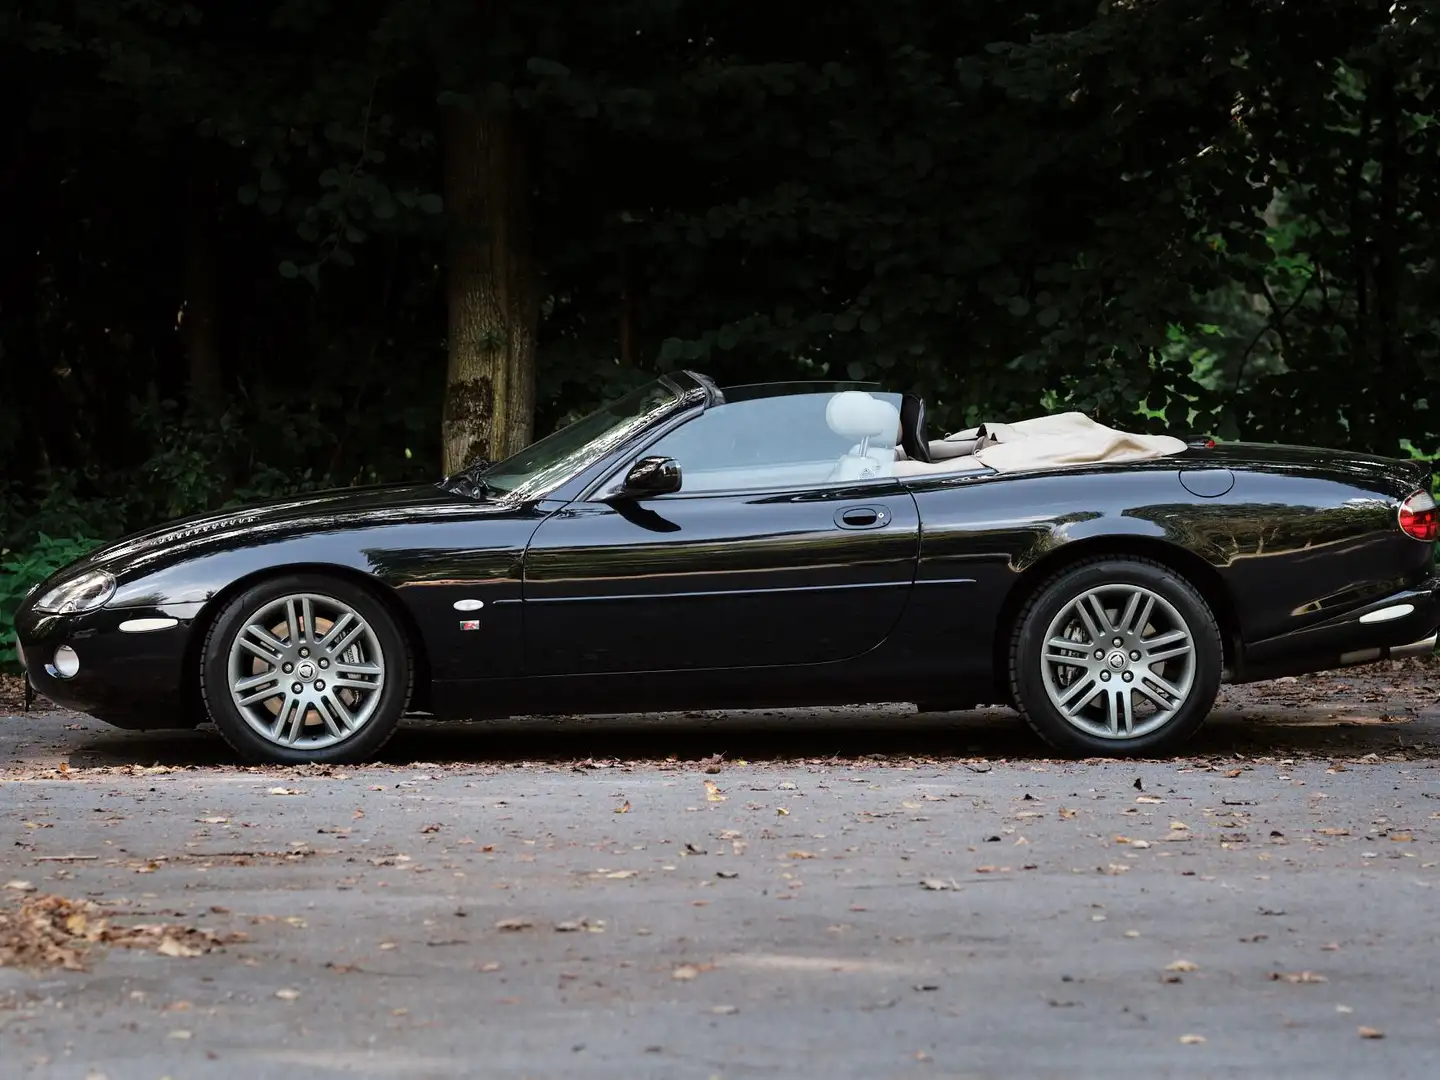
x: 84, y: 593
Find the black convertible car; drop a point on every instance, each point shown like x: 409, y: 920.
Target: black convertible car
x: 772, y: 545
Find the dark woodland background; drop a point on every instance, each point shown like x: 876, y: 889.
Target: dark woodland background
x: 250, y: 247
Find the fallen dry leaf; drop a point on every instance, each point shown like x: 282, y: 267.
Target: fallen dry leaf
x: 1297, y: 977
x: 284, y: 791
x: 169, y: 946
x: 623, y: 808
x: 800, y: 855
x: 712, y: 792
x: 937, y: 885
x: 685, y: 972
x: 1369, y: 1032
x: 19, y: 886
x: 1182, y: 965
x: 514, y: 924
x: 52, y: 931
x: 288, y: 994
x: 1191, y: 1040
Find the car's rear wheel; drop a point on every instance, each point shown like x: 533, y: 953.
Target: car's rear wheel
x: 1116, y: 657
x: 304, y: 668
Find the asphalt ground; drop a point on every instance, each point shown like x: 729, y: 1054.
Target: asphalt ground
x: 836, y: 893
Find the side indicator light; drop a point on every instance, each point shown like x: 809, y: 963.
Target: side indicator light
x: 1420, y: 518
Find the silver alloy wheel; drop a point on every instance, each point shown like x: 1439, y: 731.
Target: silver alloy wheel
x: 306, y: 671
x: 1118, y: 662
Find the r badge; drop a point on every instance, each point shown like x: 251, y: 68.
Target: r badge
x: 469, y: 624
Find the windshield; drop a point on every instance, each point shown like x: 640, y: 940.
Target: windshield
x: 579, y: 445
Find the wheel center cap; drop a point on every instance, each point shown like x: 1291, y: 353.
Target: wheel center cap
x: 1117, y: 660
x: 306, y: 670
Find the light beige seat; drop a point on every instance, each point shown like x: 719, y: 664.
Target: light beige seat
x: 958, y: 465
x: 1043, y: 442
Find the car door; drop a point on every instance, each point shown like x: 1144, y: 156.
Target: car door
x: 758, y: 560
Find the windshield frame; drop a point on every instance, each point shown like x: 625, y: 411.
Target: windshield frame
x: 687, y: 390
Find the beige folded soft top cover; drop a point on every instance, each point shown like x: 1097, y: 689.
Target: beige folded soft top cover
x: 1045, y: 442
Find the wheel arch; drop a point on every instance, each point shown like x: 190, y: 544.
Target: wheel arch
x: 1195, y: 570
x: 200, y: 629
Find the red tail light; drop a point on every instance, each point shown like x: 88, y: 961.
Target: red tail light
x: 1420, y: 518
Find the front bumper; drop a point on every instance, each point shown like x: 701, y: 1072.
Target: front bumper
x: 132, y: 663
x: 1403, y: 624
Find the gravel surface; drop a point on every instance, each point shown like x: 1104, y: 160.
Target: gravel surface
x: 847, y: 893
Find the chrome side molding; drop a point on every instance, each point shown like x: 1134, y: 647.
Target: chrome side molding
x: 1423, y: 647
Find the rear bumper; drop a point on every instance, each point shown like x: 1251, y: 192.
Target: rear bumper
x: 1401, y: 625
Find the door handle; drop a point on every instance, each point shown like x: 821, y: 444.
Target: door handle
x: 863, y: 517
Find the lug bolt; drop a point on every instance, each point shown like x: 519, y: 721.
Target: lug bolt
x: 288, y: 668
x: 319, y: 684
x: 1099, y: 654
x: 306, y: 652
x: 296, y: 688
x: 326, y: 663
x: 1104, y: 676
x: 1118, y: 643
x: 1127, y: 676
x: 1135, y: 656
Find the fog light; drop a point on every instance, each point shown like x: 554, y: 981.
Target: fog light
x: 67, y: 663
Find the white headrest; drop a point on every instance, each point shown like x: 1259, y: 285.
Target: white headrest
x: 856, y: 415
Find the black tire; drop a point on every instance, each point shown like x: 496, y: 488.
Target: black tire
x: 227, y: 716
x: 1031, y: 679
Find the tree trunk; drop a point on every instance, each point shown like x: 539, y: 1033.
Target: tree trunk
x: 492, y: 292
x: 199, y: 320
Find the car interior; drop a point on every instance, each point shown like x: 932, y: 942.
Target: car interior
x: 781, y: 441
x: 1055, y: 440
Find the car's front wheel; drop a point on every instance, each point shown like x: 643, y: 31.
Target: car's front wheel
x: 1116, y: 657
x: 303, y: 668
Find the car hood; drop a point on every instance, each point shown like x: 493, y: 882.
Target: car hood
x: 1394, y: 477
x: 321, y: 511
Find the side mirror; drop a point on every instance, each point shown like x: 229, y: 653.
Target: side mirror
x: 651, y: 476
